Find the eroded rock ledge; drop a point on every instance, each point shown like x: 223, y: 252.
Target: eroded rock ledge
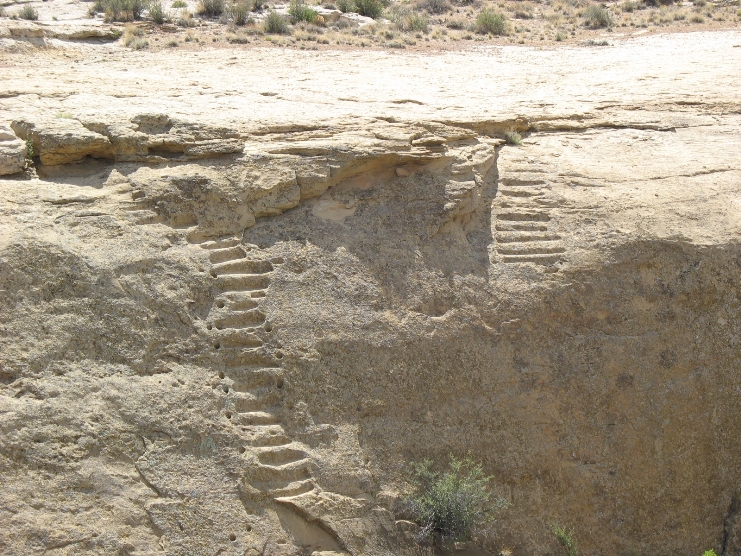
x: 233, y: 341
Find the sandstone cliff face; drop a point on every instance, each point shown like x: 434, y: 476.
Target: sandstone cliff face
x: 233, y: 338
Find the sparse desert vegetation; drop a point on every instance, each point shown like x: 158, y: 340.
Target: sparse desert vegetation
x: 436, y: 24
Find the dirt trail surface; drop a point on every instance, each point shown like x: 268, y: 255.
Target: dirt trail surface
x: 242, y: 289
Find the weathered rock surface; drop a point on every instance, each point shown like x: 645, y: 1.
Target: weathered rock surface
x: 12, y: 152
x: 228, y: 331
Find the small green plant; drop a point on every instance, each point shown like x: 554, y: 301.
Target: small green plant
x: 179, y: 4
x: 275, y: 24
x: 28, y: 12
x: 369, y: 8
x: 491, y: 22
x: 597, y: 16
x: 565, y: 538
x: 301, y: 12
x: 710, y: 552
x: 157, y: 12
x: 452, y: 504
x: 212, y: 8
x: 513, y: 138
x: 346, y: 6
x: 240, y: 12
x: 30, y: 151
x: 560, y: 37
x: 65, y: 115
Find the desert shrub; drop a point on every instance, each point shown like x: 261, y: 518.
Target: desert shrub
x: 512, y: 137
x: 346, y: 6
x: 629, y: 6
x: 523, y: 14
x: 239, y: 12
x: 565, y: 538
x: 157, y: 12
x: 133, y: 37
x: 457, y: 24
x: 119, y: 10
x: 369, y: 8
x: 417, y: 22
x: 2, y: 11
x: 489, y: 21
x: 597, y: 16
x: 275, y: 24
x: 212, y: 8
x: 697, y: 19
x: 436, y: 6
x: 185, y: 19
x: 301, y: 12
x: 28, y: 12
x: 450, y: 505
x: 179, y: 4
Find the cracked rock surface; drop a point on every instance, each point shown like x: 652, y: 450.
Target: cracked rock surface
x: 239, y: 296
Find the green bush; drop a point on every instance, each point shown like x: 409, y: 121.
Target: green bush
x: 566, y: 539
x: 28, y: 12
x: 346, y: 6
x: 369, y: 8
x: 179, y: 4
x: 119, y: 10
x: 597, y: 16
x: 157, y: 12
x: 417, y: 22
x: 275, y: 24
x: 489, y: 21
x: 239, y: 12
x: 301, y: 12
x: 212, y: 8
x: 450, y: 505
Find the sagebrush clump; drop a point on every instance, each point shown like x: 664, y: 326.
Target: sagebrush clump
x: 275, y: 24
x: 370, y: 8
x: 491, y: 22
x: 119, y: 10
x: 597, y: 16
x: 450, y: 505
x: 301, y: 12
x: 29, y: 13
x: 212, y: 8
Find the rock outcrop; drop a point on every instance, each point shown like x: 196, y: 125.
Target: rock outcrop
x: 233, y: 336
x: 12, y: 152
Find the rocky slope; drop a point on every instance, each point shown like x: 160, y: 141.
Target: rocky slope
x: 232, y: 311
